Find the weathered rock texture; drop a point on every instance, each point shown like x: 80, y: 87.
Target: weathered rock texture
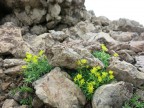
x: 47, y: 12
x: 112, y: 95
x: 57, y: 90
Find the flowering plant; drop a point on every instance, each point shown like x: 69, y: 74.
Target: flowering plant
x: 37, y: 65
x: 90, y: 78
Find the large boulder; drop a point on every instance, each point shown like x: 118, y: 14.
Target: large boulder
x: 124, y: 71
x: 56, y: 90
x: 112, y: 95
x: 126, y: 25
x: 11, y: 41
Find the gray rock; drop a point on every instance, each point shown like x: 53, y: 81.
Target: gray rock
x: 123, y: 36
x: 126, y: 25
x: 11, y: 41
x: 112, y: 95
x: 124, y: 71
x: 13, y: 70
x: 9, y: 103
x: 38, y: 30
x: 140, y: 62
x: 58, y: 91
x: 101, y: 20
x: 65, y: 56
x: 137, y: 46
x: 140, y: 93
x: 13, y: 62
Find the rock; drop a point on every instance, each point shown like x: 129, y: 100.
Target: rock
x: 123, y: 36
x: 58, y: 35
x: 140, y: 93
x: 10, y: 39
x: 54, y: 10
x: 65, y: 56
x: 1, y: 73
x: 101, y: 20
x: 112, y: 95
x: 137, y: 46
x: 140, y: 62
x: 127, y: 25
x: 124, y: 55
x: 13, y: 70
x: 124, y: 71
x: 38, y: 30
x: 58, y: 91
x: 13, y: 62
x: 5, y: 85
x: 32, y: 12
x: 37, y: 103
x: 1, y: 62
x: 9, y: 103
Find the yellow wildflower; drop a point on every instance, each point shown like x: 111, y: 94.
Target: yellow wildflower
x: 35, y: 59
x: 24, y: 67
x: 41, y: 53
x: 98, y: 67
x: 79, y: 76
x: 97, y: 74
x: 83, y: 61
x: 75, y: 79
x: 82, y: 81
x: 111, y: 72
x: 100, y: 79
x: 93, y: 70
x: 90, y: 88
x: 78, y: 62
x: 111, y: 77
x: 115, y: 55
x: 104, y: 74
x: 104, y: 48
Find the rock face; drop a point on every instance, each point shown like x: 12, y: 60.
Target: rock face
x: 127, y: 72
x: 140, y: 62
x: 50, y: 12
x: 58, y: 91
x: 11, y: 41
x: 10, y: 103
x: 112, y: 95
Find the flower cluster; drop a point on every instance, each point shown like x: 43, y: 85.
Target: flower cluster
x: 37, y: 65
x: 89, y: 79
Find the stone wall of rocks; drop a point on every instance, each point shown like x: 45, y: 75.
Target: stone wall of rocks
x: 46, y: 14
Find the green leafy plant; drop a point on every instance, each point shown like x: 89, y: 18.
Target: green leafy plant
x: 37, y: 65
x: 134, y: 102
x: 90, y: 78
x: 26, y: 101
x: 102, y: 56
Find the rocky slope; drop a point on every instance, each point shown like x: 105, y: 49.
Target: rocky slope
x: 67, y: 33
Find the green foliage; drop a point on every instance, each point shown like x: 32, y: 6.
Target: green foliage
x: 102, y: 56
x: 90, y: 78
x: 26, y: 101
x: 37, y: 66
x: 134, y: 102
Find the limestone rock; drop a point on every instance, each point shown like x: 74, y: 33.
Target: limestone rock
x: 11, y: 41
x: 13, y: 62
x: 123, y: 36
x: 140, y: 62
x: 9, y: 103
x: 58, y: 91
x: 124, y: 71
x: 127, y: 25
x: 112, y: 95
x: 65, y: 56
x: 13, y: 70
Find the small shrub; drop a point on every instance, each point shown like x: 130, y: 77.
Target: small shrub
x: 134, y: 102
x: 37, y: 65
x: 90, y: 78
